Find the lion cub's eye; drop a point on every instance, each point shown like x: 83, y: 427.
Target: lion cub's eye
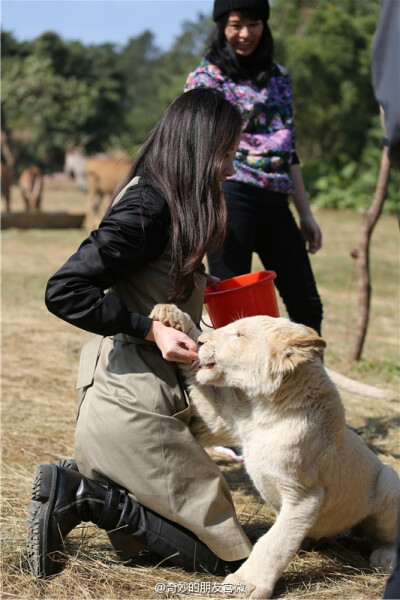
x: 235, y: 334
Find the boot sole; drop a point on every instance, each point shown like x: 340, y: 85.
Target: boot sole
x: 42, y: 564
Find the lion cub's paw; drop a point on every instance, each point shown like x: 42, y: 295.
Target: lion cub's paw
x: 176, y: 318
x: 382, y: 559
x: 243, y: 588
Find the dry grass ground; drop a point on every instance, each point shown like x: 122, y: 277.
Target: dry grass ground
x: 39, y: 366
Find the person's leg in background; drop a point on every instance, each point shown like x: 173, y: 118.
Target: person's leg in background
x: 234, y: 258
x: 281, y: 248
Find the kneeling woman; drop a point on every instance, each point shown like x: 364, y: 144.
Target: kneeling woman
x: 142, y: 475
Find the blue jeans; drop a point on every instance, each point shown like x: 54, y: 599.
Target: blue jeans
x: 261, y: 221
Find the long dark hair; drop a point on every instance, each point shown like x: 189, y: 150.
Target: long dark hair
x: 182, y: 157
x: 257, y: 66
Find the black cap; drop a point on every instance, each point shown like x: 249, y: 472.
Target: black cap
x: 221, y: 7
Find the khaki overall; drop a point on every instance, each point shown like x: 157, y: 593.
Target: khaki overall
x: 133, y: 424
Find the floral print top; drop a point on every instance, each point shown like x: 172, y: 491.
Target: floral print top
x: 267, y: 146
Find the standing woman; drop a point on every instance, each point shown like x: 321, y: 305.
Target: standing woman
x: 267, y: 171
x: 142, y: 475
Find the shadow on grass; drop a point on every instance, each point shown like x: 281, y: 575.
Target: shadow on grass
x: 237, y: 477
x: 331, y: 562
x: 376, y: 428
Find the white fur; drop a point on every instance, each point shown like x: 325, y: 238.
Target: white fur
x: 260, y: 384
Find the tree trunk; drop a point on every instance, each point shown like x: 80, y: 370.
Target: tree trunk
x: 370, y: 218
x: 7, y: 151
x: 7, y: 147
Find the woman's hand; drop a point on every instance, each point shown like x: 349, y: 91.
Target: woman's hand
x: 174, y: 344
x: 308, y: 226
x: 311, y: 233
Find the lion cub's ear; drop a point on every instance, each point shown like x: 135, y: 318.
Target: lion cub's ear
x: 301, y: 348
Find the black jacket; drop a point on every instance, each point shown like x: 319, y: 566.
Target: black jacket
x: 133, y: 233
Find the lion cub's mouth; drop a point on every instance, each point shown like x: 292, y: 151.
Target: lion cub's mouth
x: 203, y: 365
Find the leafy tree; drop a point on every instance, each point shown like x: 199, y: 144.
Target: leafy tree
x: 43, y: 107
x: 11, y: 47
x: 185, y: 54
x: 326, y: 44
x: 153, y: 79
x: 139, y: 60
x: 327, y: 51
x: 50, y: 46
x: 48, y: 107
x: 106, y: 77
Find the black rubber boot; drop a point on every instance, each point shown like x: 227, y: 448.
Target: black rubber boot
x: 62, y: 498
x: 125, y: 546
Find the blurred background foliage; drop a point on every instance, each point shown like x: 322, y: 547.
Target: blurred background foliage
x: 57, y: 94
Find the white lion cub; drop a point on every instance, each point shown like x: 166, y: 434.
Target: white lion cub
x: 259, y: 384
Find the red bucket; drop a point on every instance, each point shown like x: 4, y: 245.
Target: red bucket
x: 242, y: 296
